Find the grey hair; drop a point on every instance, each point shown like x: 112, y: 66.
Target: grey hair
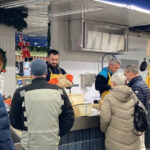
x: 132, y: 68
x: 115, y: 60
x: 118, y: 78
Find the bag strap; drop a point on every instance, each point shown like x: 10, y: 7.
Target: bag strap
x: 135, y: 99
x: 134, y: 130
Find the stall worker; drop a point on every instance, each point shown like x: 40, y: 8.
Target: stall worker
x: 54, y: 71
x: 103, y: 79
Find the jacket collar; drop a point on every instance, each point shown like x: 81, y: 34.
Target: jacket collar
x: 138, y: 78
x: 107, y: 70
x: 38, y: 79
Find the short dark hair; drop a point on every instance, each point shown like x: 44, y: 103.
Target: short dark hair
x: 52, y: 51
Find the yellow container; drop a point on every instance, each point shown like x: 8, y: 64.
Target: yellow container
x: 76, y: 98
x: 82, y: 109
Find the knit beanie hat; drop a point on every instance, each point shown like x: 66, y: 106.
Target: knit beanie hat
x: 38, y: 67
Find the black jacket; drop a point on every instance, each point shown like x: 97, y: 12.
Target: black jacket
x: 140, y: 89
x: 17, y: 117
x: 101, y: 83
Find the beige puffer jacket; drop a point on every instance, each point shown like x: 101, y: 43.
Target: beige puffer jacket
x: 117, y: 119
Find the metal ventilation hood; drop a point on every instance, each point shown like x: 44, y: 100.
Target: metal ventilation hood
x: 100, y: 10
x: 109, y: 27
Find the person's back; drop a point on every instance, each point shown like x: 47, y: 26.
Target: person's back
x: 42, y: 111
x: 43, y: 104
x: 6, y: 142
x: 137, y: 84
x: 117, y: 119
x: 140, y: 89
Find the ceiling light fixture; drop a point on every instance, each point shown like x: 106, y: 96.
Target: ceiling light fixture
x: 130, y: 7
x: 133, y: 7
x: 112, y: 3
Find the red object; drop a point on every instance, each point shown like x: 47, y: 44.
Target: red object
x: 53, y: 81
x: 25, y: 52
x: 69, y: 77
x: 3, y: 70
x: 27, y: 44
x: 21, y: 44
x: 8, y: 101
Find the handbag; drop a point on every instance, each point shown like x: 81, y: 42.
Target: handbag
x: 143, y: 65
x: 140, y: 118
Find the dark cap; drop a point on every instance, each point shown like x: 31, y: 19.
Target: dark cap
x: 38, y: 67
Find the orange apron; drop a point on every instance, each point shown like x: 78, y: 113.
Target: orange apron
x: 105, y: 92
x: 109, y: 83
x: 148, y: 77
x: 52, y: 75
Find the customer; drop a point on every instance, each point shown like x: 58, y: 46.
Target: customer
x: 137, y: 84
x: 140, y: 89
x: 41, y: 110
x: 6, y: 142
x: 116, y: 118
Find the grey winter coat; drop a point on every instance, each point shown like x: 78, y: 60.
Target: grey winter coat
x: 116, y: 119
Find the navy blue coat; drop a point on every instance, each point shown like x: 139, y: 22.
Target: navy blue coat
x: 140, y: 89
x: 6, y: 142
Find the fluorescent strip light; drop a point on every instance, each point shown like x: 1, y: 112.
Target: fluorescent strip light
x: 112, y: 3
x: 130, y: 7
x: 133, y: 7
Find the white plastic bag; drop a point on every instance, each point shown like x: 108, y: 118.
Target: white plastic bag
x: 91, y: 94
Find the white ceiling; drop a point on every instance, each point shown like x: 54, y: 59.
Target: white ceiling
x: 40, y: 11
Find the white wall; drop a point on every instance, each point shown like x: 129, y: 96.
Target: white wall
x: 75, y: 63
x: 7, y: 43
x: 83, y: 62
x: 137, y: 51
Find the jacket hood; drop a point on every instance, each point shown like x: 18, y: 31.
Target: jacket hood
x: 122, y: 93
